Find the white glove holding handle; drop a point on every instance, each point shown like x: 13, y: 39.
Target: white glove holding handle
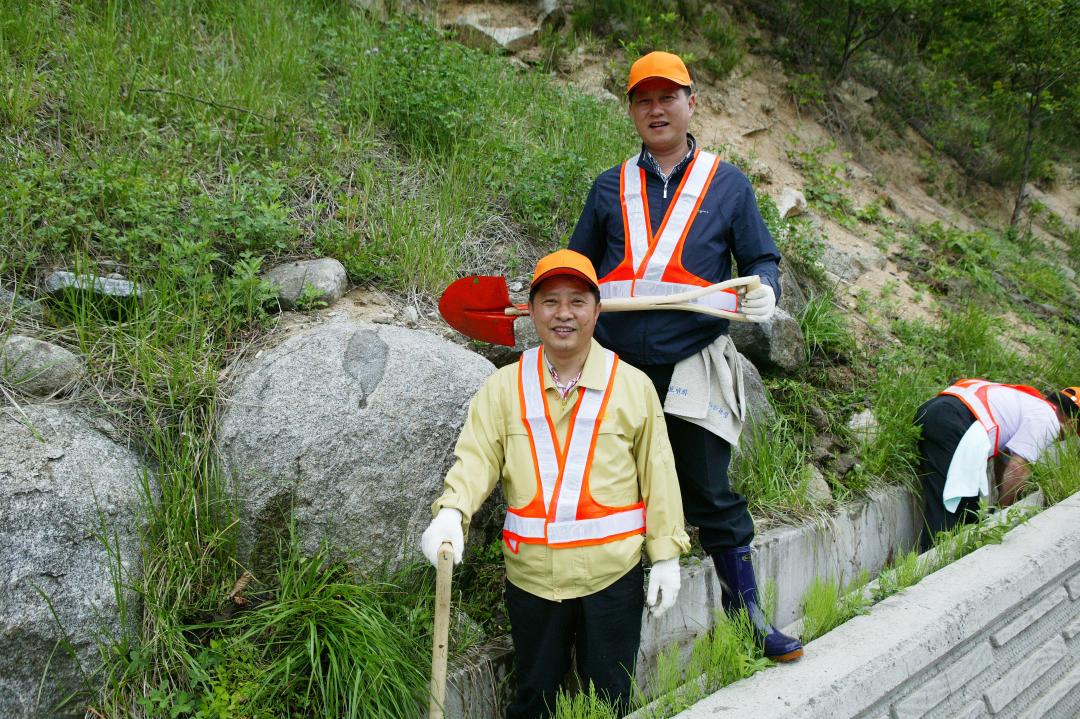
x: 446, y: 527
x: 759, y: 303
x: 664, y: 582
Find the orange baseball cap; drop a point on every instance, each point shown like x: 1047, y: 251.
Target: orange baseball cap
x: 565, y: 262
x: 658, y: 64
x: 1069, y: 401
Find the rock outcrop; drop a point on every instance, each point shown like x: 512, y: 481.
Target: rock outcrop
x: 63, y: 485
x: 347, y: 430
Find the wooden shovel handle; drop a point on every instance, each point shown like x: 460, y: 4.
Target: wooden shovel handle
x: 680, y: 301
x: 441, y: 636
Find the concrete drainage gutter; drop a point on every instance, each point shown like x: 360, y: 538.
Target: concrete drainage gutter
x: 991, y: 635
x: 863, y: 535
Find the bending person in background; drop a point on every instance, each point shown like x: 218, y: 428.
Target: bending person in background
x: 675, y: 217
x: 972, y: 422
x: 578, y: 439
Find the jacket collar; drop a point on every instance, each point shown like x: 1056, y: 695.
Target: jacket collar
x: 646, y: 160
x: 593, y: 374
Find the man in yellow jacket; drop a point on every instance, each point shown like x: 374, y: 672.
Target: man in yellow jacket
x: 579, y: 442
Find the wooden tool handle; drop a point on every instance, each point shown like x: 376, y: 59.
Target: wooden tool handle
x: 441, y: 636
x: 679, y: 301
x: 683, y: 307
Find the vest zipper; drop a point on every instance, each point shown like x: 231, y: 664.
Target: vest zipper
x: 665, y: 187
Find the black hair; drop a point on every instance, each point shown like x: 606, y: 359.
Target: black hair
x: 1065, y: 403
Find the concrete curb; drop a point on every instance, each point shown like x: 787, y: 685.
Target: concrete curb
x: 993, y: 634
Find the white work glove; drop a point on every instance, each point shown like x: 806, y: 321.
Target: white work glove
x: 664, y: 581
x: 446, y: 527
x: 759, y: 304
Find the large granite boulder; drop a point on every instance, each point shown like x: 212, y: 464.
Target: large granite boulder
x: 346, y: 429
x: 61, y: 481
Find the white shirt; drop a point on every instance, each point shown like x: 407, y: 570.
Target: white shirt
x: 1028, y: 425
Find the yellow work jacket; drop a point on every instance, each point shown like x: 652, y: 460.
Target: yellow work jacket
x: 632, y: 463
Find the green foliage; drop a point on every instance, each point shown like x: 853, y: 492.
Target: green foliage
x: 824, y: 331
x: 725, y: 48
x: 705, y: 38
x: 727, y: 653
x: 479, y: 586
x: 800, y: 244
x: 310, y: 298
x: 641, y: 26
x: 949, y: 546
x: 584, y: 705
x: 992, y: 84
x: 830, y: 34
x: 1057, y: 473
x: 327, y: 647
x: 808, y: 90
x: 772, y: 467
x: 825, y: 185
x: 826, y: 605
x: 518, y: 138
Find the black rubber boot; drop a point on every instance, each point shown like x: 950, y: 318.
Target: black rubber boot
x: 736, y: 573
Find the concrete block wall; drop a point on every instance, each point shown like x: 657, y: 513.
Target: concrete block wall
x: 992, y: 635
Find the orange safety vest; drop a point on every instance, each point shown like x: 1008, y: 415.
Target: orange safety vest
x: 652, y: 264
x: 972, y: 392
x: 563, y: 512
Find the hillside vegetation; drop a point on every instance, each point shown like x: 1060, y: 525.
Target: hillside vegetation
x: 191, y: 144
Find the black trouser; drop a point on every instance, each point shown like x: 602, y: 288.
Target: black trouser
x: 944, y: 420
x: 701, y: 463
x: 605, y: 628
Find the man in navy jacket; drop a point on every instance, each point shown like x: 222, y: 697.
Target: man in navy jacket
x: 673, y: 218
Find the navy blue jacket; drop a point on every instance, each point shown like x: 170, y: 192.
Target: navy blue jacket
x: 728, y: 225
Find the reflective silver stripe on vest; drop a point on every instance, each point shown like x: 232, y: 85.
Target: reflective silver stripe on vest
x: 525, y: 526
x: 648, y: 288
x: 681, y: 216
x: 980, y: 408
x: 630, y: 520
x: 580, y: 441
x: 637, y: 228
x: 547, y: 460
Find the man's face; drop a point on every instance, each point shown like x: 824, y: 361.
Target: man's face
x: 661, y: 113
x: 564, y: 311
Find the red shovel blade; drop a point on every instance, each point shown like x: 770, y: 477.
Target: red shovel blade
x: 476, y: 307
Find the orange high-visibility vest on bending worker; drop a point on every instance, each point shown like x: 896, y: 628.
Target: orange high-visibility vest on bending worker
x: 972, y: 392
x: 652, y: 264
x: 563, y: 512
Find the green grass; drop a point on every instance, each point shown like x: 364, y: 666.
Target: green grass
x: 826, y: 605
x: 771, y: 468
x: 1058, y: 475
x: 825, y: 333
x: 727, y: 653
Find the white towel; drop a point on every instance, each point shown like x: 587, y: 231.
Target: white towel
x: 707, y: 389
x: 967, y: 468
